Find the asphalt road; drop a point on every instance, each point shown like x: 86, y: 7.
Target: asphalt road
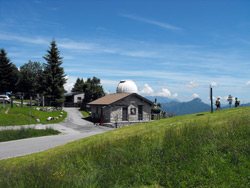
x: 74, y: 127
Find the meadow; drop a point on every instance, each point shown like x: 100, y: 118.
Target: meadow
x: 21, y: 116
x: 198, y: 150
x: 8, y: 135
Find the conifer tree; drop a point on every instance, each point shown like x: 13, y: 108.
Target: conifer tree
x: 54, y: 77
x: 92, y: 89
x: 8, y: 73
x: 78, y: 86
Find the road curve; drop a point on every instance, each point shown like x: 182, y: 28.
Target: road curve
x: 74, y: 127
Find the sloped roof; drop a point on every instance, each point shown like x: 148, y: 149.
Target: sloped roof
x: 109, y: 99
x: 72, y: 94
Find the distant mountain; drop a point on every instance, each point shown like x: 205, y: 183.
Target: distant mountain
x: 160, y: 99
x: 183, y: 108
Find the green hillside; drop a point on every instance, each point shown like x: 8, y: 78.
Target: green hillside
x: 198, y: 150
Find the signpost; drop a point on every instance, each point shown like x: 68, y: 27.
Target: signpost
x: 211, y: 98
x: 230, y: 99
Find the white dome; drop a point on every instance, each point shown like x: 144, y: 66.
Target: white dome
x: 126, y: 86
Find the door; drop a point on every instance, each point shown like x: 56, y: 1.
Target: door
x: 140, y: 112
x: 125, y: 113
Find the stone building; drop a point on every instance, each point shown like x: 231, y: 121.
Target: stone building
x: 125, y: 107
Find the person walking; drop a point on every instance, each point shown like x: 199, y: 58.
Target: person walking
x: 237, y: 102
x: 217, y: 104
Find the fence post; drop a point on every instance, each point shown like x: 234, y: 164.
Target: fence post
x: 11, y: 100
x: 22, y: 101
x: 3, y: 102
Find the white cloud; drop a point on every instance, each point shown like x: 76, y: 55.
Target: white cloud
x: 195, y: 95
x: 147, y: 90
x: 107, y: 92
x: 214, y: 84
x: 69, y: 44
x: 153, y: 22
x: 71, y: 80
x: 165, y: 93
x: 248, y: 83
x: 12, y: 37
x: 175, y: 95
x: 192, y: 84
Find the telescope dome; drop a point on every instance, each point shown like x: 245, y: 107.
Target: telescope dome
x: 126, y: 86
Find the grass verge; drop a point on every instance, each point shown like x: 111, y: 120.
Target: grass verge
x: 21, y: 116
x: 8, y: 135
x: 211, y: 150
x: 85, y: 114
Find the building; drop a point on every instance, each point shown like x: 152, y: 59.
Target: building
x: 123, y: 108
x: 73, y: 99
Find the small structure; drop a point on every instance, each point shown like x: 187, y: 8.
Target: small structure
x: 73, y: 99
x: 125, y: 107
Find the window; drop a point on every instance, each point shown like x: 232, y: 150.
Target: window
x: 133, y: 111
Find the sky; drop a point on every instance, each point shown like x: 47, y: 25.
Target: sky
x: 174, y: 49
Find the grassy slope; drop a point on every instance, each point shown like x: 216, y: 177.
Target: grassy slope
x: 211, y: 150
x: 20, y: 116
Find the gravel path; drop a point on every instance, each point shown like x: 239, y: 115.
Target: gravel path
x: 74, y: 127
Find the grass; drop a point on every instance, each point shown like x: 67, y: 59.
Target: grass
x: 8, y: 135
x: 209, y: 150
x: 25, y: 100
x: 20, y: 116
x: 85, y: 114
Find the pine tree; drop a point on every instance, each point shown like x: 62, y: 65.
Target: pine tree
x: 92, y: 89
x: 54, y: 77
x: 8, y: 73
x: 78, y: 86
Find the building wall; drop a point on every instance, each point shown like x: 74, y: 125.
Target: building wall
x: 100, y: 112
x: 78, y: 95
x: 132, y: 102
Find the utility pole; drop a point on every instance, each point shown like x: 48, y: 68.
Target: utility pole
x: 211, y: 98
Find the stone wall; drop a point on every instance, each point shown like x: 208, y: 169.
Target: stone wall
x: 132, y: 102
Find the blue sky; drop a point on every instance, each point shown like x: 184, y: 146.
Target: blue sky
x: 168, y: 48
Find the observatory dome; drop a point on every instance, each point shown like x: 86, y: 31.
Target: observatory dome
x: 126, y: 86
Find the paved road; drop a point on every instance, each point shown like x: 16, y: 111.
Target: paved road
x: 73, y: 128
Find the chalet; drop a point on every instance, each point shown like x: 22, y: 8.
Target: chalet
x: 123, y: 108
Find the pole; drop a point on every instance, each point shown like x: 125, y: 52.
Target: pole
x: 11, y: 100
x: 30, y: 108
x: 211, y: 98
x: 22, y: 101
x: 3, y: 102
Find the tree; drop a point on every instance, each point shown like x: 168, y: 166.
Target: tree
x: 78, y: 86
x: 92, y: 89
x: 159, y: 105
x: 53, y: 76
x: 8, y: 73
x: 30, y: 76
